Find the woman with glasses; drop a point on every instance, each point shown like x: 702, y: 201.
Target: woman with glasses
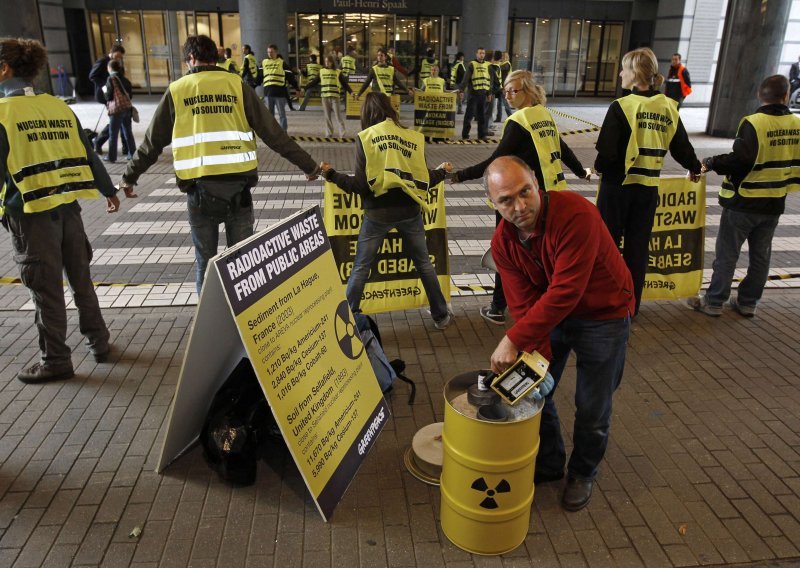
x: 530, y: 134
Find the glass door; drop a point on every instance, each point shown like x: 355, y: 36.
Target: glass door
x: 357, y: 32
x: 332, y: 39
x: 602, y: 49
x: 158, y: 52
x: 568, y: 56
x: 544, y: 53
x: 521, y: 44
x: 130, y: 31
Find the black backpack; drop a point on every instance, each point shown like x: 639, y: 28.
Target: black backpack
x: 386, y: 371
x: 237, y: 424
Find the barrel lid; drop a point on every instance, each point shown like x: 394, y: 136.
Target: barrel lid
x: 424, y: 458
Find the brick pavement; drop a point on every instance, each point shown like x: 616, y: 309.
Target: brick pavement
x: 703, y: 466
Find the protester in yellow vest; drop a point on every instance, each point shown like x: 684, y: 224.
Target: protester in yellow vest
x: 423, y: 70
x: 503, y: 66
x: 331, y: 82
x: 383, y: 78
x: 349, y: 63
x: 477, y: 83
x: 277, y: 76
x: 392, y: 178
x: 312, y: 80
x: 637, y: 132
x: 763, y: 167
x: 433, y: 83
x: 211, y: 119
x: 457, y: 72
x: 250, y: 72
x: 46, y: 164
x: 224, y: 60
x: 531, y: 135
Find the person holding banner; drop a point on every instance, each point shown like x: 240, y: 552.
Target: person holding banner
x: 390, y: 201
x: 637, y: 132
x: 46, y: 165
x: 383, y: 78
x: 531, y: 135
x: 568, y: 290
x: 433, y: 83
x: 332, y: 82
x: 211, y: 119
x: 763, y: 167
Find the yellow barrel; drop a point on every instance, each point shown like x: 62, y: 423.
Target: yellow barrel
x: 487, y: 475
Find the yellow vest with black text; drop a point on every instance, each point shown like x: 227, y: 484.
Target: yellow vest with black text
x: 250, y: 61
x: 481, y: 80
x: 425, y: 68
x: 348, y: 64
x: 434, y: 85
x: 211, y: 135
x: 396, y: 159
x: 654, y: 122
x: 46, y: 158
x: 312, y: 70
x: 274, y: 75
x: 454, y: 72
x: 539, y: 123
x: 384, y: 77
x: 776, y: 171
x: 227, y: 64
x: 329, y: 81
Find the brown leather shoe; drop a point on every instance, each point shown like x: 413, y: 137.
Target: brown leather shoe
x: 38, y: 373
x: 577, y: 494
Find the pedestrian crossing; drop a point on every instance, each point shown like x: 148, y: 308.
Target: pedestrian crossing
x: 152, y: 238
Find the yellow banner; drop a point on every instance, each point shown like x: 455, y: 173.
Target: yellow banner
x: 301, y: 339
x: 675, y: 268
x: 435, y: 114
x: 394, y: 283
x: 353, y: 106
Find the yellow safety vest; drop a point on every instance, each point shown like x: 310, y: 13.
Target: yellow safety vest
x: 496, y: 73
x: 425, y: 68
x: 227, y: 64
x: 396, y: 159
x: 454, y: 71
x: 481, y: 80
x: 384, y: 78
x: 312, y: 70
x: 653, y: 121
x: 47, y: 160
x: 434, y: 85
x: 274, y: 75
x: 777, y: 168
x: 329, y: 81
x: 252, y: 65
x: 211, y: 135
x: 348, y: 64
x: 539, y: 123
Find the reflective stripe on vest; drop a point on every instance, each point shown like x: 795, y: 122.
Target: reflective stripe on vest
x: 776, y: 171
x: 274, y: 75
x: 312, y: 70
x: 384, y: 78
x: 654, y: 122
x: 454, y: 71
x: 425, y: 68
x: 481, y: 80
x: 211, y: 135
x: 434, y: 85
x: 47, y: 160
x: 539, y: 123
x: 396, y: 159
x: 329, y: 81
x: 348, y: 64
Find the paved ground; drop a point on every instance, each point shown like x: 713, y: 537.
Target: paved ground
x: 703, y: 466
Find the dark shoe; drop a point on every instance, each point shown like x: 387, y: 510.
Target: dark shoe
x: 109, y: 160
x: 547, y: 476
x: 746, y: 311
x: 101, y: 356
x: 38, y: 373
x: 495, y: 316
x: 577, y: 494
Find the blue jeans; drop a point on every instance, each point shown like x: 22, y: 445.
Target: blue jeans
x: 369, y: 242
x: 205, y: 232
x: 502, y: 103
x: 279, y: 102
x: 600, y: 348
x: 116, y: 124
x: 736, y: 227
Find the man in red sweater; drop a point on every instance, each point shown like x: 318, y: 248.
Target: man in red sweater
x: 568, y: 289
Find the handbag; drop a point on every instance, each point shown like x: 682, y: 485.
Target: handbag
x: 121, y: 102
x: 134, y: 113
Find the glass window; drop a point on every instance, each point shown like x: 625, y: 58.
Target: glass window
x: 130, y: 31
x: 611, y: 58
x: 232, y: 35
x: 208, y: 25
x: 158, y: 52
x: 357, y: 31
x: 521, y: 47
x: 569, y: 40
x: 544, y: 53
x: 332, y: 39
x: 186, y: 26
x: 405, y: 42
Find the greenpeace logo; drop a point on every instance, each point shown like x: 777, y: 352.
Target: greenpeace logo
x: 370, y: 433
x: 231, y: 148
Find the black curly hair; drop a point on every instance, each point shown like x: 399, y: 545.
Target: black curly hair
x: 26, y: 57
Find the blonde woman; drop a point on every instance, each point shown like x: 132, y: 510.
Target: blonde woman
x: 531, y: 135
x: 637, y: 132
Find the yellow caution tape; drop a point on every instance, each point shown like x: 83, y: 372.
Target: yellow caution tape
x: 573, y: 117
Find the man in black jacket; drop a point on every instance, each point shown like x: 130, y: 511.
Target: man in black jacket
x: 99, y: 75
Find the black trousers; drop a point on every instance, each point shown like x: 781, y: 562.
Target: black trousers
x: 476, y: 108
x: 628, y: 212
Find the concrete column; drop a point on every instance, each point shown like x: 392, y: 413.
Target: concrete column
x: 264, y: 22
x: 750, y: 51
x: 484, y: 24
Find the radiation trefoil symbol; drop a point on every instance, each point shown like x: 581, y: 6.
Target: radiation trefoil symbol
x: 346, y: 332
x: 489, y: 502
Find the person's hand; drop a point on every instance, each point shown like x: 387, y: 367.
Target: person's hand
x: 705, y: 166
x: 694, y: 178
x: 324, y: 167
x: 455, y: 177
x: 505, y: 355
x: 127, y: 189
x: 411, y: 90
x: 588, y: 174
x: 544, y: 388
x: 312, y: 177
x: 446, y: 166
x: 112, y: 204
